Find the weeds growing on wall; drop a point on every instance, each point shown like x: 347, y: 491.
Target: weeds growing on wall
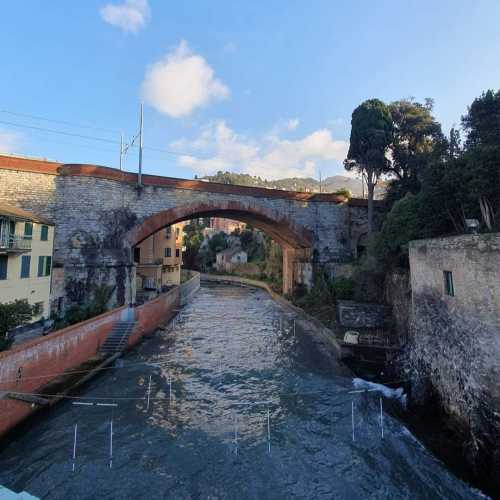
x: 320, y: 300
x: 98, y: 305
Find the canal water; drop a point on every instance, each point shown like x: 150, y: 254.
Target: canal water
x: 241, y: 406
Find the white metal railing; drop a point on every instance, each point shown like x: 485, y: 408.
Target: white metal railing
x: 14, y: 243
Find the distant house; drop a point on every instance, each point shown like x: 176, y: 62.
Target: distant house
x: 159, y: 259
x: 229, y: 258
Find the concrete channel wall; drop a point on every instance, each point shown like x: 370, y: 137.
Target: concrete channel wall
x: 28, y: 367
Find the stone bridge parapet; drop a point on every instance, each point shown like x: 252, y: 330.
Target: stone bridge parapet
x: 100, y: 214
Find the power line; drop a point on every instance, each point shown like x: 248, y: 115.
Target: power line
x: 62, y: 122
x: 95, y: 138
x: 70, y: 134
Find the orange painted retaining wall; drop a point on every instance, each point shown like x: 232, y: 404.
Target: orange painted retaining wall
x: 154, y: 313
x: 29, y: 366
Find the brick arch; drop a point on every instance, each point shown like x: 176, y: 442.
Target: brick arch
x: 282, y: 229
x: 296, y: 241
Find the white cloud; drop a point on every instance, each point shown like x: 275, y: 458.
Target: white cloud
x: 270, y: 158
x: 8, y: 142
x: 181, y: 82
x: 130, y: 16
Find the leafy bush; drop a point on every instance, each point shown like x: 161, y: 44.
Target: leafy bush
x: 344, y: 192
x: 98, y: 305
x: 12, y: 314
x: 342, y: 288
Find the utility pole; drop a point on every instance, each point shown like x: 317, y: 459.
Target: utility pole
x: 320, y: 182
x: 121, y: 150
x: 141, y: 126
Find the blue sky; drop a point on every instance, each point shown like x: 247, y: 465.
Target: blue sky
x: 266, y: 88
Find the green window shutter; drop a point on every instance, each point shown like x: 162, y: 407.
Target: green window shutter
x: 48, y: 265
x: 44, y: 233
x: 3, y: 267
x: 40, y: 265
x: 25, y: 266
x: 28, y: 230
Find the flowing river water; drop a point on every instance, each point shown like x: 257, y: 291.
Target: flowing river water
x: 240, y: 407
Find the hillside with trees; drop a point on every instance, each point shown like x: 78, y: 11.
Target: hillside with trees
x: 331, y: 184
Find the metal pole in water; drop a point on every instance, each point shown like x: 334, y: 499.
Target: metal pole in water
x: 268, y: 432
x: 111, y: 445
x: 381, y: 419
x: 149, y: 393
x: 74, y: 447
x: 294, y: 328
x: 169, y: 389
x: 352, y: 418
x: 235, y: 434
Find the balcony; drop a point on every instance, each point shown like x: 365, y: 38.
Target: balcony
x: 14, y: 243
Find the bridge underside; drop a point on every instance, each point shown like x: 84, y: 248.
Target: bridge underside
x: 295, y: 241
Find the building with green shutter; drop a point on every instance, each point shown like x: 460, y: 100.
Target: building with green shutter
x: 26, y: 244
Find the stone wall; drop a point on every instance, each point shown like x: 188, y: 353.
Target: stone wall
x: 397, y: 293
x: 94, y: 208
x: 359, y: 315
x: 454, y: 346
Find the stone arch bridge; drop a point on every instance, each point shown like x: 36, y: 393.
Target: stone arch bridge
x: 100, y: 214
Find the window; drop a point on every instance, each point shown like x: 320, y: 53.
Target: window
x: 177, y: 232
x: 25, y: 266
x: 168, y: 252
x: 177, y: 252
x: 44, y: 266
x: 448, y: 283
x: 3, y: 267
x: 28, y: 230
x: 44, y: 233
x: 168, y: 231
x: 137, y: 254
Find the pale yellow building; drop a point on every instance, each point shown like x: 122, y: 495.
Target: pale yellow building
x: 159, y: 259
x: 26, y: 244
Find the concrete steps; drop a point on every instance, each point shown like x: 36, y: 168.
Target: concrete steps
x: 118, y: 338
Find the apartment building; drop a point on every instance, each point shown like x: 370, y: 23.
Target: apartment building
x: 26, y: 244
x: 159, y: 259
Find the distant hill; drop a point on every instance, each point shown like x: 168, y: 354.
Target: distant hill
x: 308, y: 184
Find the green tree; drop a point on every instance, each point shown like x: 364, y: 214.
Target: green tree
x: 371, y: 136
x: 13, y: 314
x: 482, y: 155
x: 217, y: 243
x: 417, y: 137
x: 193, y: 238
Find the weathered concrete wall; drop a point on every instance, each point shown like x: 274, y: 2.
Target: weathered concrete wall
x: 454, y: 346
x: 397, y: 293
x: 94, y: 207
x: 189, y: 287
x: 359, y: 315
x: 30, y: 366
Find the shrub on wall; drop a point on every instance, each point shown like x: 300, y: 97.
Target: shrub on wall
x: 12, y: 314
x: 98, y: 305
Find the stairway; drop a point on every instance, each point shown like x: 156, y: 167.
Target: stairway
x: 118, y: 337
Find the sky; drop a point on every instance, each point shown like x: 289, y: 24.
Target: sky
x: 260, y: 87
